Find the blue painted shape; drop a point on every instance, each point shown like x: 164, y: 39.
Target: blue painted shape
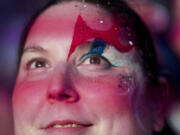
x: 98, y: 46
x: 120, y: 86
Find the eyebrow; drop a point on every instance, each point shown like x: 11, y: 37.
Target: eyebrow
x: 33, y: 49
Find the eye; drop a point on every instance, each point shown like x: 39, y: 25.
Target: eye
x: 89, y: 59
x: 37, y: 63
x: 93, y: 60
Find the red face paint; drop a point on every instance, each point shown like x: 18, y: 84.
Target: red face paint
x: 117, y: 36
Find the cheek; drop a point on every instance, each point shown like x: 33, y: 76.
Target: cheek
x: 126, y: 84
x: 28, y: 98
x: 104, y: 92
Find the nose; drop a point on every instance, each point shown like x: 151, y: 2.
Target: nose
x: 61, y: 89
x: 68, y: 96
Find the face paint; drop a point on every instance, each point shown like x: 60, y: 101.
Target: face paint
x: 116, y: 36
x: 97, y: 48
x: 125, y: 83
x: 92, y: 91
x: 109, y: 54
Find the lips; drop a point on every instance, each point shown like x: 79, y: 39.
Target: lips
x: 67, y: 124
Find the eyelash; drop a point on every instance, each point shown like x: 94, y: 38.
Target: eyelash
x: 88, y: 56
x: 36, y: 61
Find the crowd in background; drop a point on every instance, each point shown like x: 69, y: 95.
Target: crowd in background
x: 161, y: 16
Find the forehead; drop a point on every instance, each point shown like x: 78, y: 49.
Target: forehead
x: 59, y: 20
x: 81, y: 22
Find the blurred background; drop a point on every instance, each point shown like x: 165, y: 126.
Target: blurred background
x: 161, y: 16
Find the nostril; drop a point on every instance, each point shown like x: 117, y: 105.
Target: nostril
x: 64, y: 96
x: 68, y: 97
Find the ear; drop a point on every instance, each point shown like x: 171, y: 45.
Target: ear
x: 162, y: 98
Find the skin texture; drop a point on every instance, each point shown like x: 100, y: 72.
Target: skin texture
x: 49, y: 89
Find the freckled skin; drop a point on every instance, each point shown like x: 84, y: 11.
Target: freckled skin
x: 93, y: 95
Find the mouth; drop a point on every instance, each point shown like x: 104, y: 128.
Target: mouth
x: 67, y: 124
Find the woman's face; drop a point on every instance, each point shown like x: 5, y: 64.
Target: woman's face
x: 73, y: 81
